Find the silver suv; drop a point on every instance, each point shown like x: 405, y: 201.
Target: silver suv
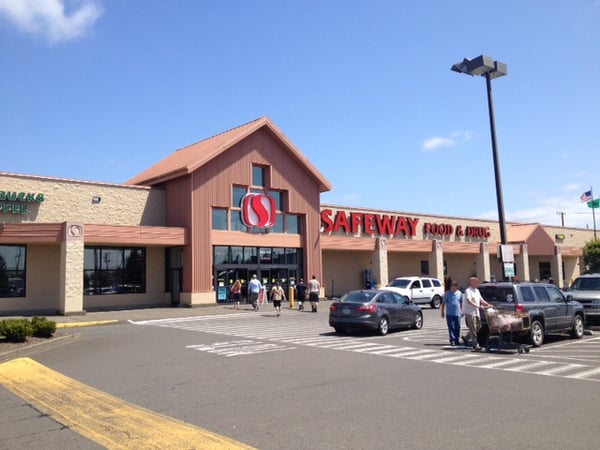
x: 586, y: 290
x: 419, y: 289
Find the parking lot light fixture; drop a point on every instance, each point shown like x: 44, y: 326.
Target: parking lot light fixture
x: 487, y: 67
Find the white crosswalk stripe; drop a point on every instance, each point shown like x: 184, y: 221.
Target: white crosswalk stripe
x: 303, y: 330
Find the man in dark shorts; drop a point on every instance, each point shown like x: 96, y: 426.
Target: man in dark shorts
x: 301, y: 294
x: 314, y: 289
x: 277, y: 294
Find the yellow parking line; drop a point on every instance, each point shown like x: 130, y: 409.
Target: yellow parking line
x: 100, y: 417
x: 85, y: 324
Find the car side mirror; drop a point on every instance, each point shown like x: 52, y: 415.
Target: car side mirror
x: 569, y: 298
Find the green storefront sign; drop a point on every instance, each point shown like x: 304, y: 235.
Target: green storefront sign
x: 13, y: 202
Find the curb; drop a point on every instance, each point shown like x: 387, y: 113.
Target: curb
x: 86, y: 324
x: 30, y: 349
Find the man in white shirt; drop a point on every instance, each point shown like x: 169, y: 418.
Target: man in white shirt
x: 471, y: 304
x: 314, y: 289
x: 254, y: 288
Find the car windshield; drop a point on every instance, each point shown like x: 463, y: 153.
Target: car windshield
x: 400, y: 283
x: 586, y: 284
x: 358, y: 297
x: 497, y: 294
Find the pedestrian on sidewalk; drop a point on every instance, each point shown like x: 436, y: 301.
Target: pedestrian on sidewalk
x: 452, y: 309
x: 236, y: 290
x: 277, y: 295
x: 471, y: 303
x: 314, y: 289
x: 301, y: 294
x: 254, y: 288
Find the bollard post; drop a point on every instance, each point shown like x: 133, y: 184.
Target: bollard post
x: 291, y: 297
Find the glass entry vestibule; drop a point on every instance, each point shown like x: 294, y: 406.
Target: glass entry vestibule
x: 269, y: 264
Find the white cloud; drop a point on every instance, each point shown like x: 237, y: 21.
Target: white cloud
x: 571, y: 187
x: 56, y: 20
x: 546, y: 211
x: 436, y: 142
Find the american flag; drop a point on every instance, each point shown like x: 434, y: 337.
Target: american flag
x: 586, y: 197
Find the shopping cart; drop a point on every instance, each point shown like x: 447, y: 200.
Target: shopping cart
x: 502, y: 326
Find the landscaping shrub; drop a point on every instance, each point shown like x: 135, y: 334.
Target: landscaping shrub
x: 42, y: 327
x: 16, y: 330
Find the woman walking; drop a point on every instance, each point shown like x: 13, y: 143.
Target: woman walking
x: 236, y: 290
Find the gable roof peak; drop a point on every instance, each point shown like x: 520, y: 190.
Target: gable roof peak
x: 189, y: 158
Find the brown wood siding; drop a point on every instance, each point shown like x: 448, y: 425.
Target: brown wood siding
x: 346, y: 243
x: 571, y: 251
x: 179, y: 214
x: 256, y: 240
x: 132, y: 235
x: 493, y: 249
x: 405, y: 245
x: 31, y: 233
x: 212, y: 186
x: 462, y: 247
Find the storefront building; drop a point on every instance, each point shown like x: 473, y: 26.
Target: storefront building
x: 240, y: 203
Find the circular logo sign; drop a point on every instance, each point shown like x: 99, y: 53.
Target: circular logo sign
x: 258, y: 210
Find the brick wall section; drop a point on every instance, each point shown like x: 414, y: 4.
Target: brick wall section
x: 71, y: 200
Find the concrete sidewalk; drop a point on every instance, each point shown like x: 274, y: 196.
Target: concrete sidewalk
x: 111, y: 317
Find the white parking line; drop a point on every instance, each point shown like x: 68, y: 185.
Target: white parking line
x: 560, y: 369
x: 585, y: 374
x: 312, y: 333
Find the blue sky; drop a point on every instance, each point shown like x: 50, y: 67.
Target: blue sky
x: 102, y: 89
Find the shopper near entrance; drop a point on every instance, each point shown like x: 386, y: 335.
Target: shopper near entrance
x: 236, y: 290
x: 471, y: 303
x: 314, y: 289
x: 301, y: 294
x: 452, y: 310
x: 254, y: 288
x: 277, y: 295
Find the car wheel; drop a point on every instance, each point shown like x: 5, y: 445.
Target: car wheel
x: 577, y: 329
x: 339, y: 330
x: 436, y: 302
x: 384, y: 326
x: 418, y: 321
x: 537, y: 333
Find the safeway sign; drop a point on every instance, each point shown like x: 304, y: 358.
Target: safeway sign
x: 258, y: 211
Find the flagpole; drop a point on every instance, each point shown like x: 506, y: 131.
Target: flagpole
x: 593, y: 212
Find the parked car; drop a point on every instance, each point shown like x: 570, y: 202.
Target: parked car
x: 586, y: 290
x: 380, y: 310
x: 548, y: 308
x: 421, y: 290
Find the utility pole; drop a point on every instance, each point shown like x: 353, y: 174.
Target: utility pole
x: 562, y: 217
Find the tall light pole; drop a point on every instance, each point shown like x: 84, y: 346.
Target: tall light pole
x: 490, y: 69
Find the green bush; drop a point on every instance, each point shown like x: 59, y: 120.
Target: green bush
x: 16, y: 330
x: 42, y: 327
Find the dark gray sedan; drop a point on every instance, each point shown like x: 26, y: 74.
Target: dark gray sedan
x: 379, y: 310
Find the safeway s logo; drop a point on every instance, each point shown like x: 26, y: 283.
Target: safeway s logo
x: 258, y: 211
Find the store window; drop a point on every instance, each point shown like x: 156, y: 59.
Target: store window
x: 12, y: 270
x: 236, y: 221
x: 291, y: 256
x: 219, y: 219
x: 237, y: 255
x: 114, y: 271
x: 293, y: 224
x: 424, y: 267
x: 221, y: 255
x: 238, y: 194
x: 278, y: 227
x: 258, y: 176
x: 278, y: 197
